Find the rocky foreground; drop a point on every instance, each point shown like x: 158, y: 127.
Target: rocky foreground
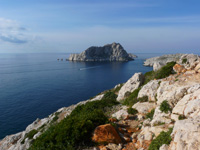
x: 109, y: 52
x: 162, y: 112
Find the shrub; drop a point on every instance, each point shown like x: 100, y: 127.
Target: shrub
x: 181, y: 117
x: 162, y: 138
x: 164, y: 72
x: 159, y: 123
x: 76, y: 130
x: 143, y: 99
x: 132, y: 111
x: 165, y: 107
x: 118, y: 88
x: 150, y: 114
x: 132, y: 98
x: 31, y: 134
x: 184, y: 60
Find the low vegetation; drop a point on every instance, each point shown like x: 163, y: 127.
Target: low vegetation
x: 162, y: 138
x: 30, y: 135
x: 132, y: 111
x: 150, y: 114
x: 116, y: 90
x: 75, y: 131
x: 143, y: 99
x: 184, y: 60
x: 165, y: 107
x: 181, y: 117
x: 164, y: 72
x: 131, y: 98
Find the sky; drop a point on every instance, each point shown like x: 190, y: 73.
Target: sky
x: 71, y: 26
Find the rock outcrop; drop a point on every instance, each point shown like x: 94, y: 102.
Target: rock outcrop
x: 106, y: 134
x: 158, y: 62
x: 109, y: 52
x: 133, y: 83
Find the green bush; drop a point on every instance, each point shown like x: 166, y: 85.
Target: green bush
x: 164, y: 72
x: 181, y: 117
x: 150, y: 114
x: 132, y: 111
x: 132, y: 98
x: 76, y: 130
x: 162, y: 138
x: 165, y: 107
x: 118, y: 88
x: 29, y: 135
x: 143, y: 99
x: 184, y: 60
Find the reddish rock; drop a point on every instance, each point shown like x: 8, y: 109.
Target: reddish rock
x: 130, y: 146
x: 179, y: 68
x: 102, y: 147
x: 106, y: 134
x: 112, y: 119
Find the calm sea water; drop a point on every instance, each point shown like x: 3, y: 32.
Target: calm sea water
x: 35, y: 85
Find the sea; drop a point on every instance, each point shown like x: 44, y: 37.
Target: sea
x: 35, y: 85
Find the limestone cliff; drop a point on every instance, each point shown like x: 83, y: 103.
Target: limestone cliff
x: 109, y: 52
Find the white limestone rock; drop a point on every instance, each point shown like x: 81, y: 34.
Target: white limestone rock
x: 189, y: 105
x: 144, y: 108
x: 186, y: 134
x: 150, y: 90
x: 189, y: 61
x: 133, y: 83
x: 170, y: 92
x: 164, y: 147
x: 121, y: 114
x: 160, y: 117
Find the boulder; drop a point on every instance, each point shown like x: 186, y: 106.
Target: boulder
x: 170, y: 92
x: 133, y: 83
x: 189, y: 105
x: 106, y: 134
x: 186, y: 134
x: 160, y: 117
x: 150, y: 90
x: 144, y: 108
x: 121, y: 114
x: 109, y: 52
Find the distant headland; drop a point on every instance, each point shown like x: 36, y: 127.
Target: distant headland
x: 109, y: 52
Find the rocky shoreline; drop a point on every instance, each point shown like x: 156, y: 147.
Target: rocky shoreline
x: 166, y: 108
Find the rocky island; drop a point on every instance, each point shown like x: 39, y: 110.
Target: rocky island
x: 158, y: 110
x: 109, y: 52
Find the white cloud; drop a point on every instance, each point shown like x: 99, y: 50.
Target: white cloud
x: 11, y: 31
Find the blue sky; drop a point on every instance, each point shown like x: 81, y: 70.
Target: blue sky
x: 144, y: 26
